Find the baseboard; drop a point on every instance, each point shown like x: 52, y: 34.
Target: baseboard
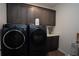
x: 66, y: 54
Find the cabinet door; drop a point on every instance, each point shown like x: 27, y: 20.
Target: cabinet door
x: 12, y: 13
x: 52, y: 18
x: 23, y: 14
x: 44, y: 16
x: 31, y: 15
x: 47, y: 17
x: 53, y: 43
x: 17, y: 13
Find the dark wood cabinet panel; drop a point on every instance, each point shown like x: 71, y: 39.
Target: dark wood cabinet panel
x: 12, y: 13
x: 26, y: 14
x: 23, y: 14
x: 52, y: 18
x: 53, y: 43
x: 43, y: 16
x: 17, y: 13
x: 31, y: 15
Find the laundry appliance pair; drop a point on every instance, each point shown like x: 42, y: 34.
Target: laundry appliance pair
x: 23, y: 40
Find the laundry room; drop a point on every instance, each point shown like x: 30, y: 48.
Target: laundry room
x: 39, y: 29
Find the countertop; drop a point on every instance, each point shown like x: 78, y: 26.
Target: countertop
x: 50, y: 35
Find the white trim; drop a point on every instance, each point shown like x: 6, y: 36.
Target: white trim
x: 7, y: 33
x: 66, y: 54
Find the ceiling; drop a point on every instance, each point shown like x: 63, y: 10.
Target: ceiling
x: 46, y: 5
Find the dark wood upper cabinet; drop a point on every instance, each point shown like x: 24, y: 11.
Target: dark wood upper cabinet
x: 12, y: 13
x: 35, y: 12
x: 40, y: 13
x: 17, y: 13
x: 26, y: 14
x: 23, y: 14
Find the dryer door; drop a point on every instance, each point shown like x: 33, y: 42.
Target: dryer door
x: 38, y: 37
x: 13, y: 39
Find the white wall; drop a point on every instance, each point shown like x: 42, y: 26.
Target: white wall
x: 67, y: 24
x: 2, y: 14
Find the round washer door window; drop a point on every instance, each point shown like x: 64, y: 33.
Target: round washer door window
x: 13, y: 39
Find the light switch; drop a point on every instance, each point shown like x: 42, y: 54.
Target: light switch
x: 37, y: 21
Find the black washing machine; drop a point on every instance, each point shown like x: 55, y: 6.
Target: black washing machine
x: 37, y: 41
x: 14, y: 40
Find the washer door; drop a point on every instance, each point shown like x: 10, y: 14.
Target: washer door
x: 13, y: 39
x: 38, y: 37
